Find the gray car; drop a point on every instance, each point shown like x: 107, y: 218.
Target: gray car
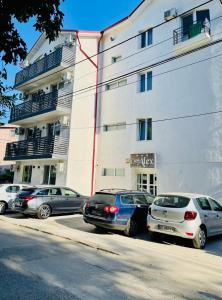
x: 45, y: 201
x: 189, y: 216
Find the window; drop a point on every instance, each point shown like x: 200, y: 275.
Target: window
x: 68, y: 192
x: 115, y: 59
x: 145, y: 130
x: 112, y: 127
x: 172, y: 201
x: 127, y: 199
x: 146, y: 38
x: 55, y: 192
x: 204, y: 203
x: 202, y: 15
x: 27, y: 174
x: 147, y: 183
x: 49, y: 176
x: 113, y: 172
x: 116, y: 84
x: 43, y: 192
x: 216, y: 206
x: 12, y: 189
x: 146, y: 82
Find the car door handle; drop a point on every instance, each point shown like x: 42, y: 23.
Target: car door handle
x: 205, y: 216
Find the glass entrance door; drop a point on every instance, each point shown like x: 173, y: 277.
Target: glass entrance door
x: 148, y: 183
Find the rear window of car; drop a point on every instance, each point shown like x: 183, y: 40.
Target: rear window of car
x: 171, y: 201
x: 105, y: 198
x: 26, y: 192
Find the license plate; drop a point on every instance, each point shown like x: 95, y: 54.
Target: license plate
x: 166, y: 228
x: 18, y: 203
x: 96, y: 212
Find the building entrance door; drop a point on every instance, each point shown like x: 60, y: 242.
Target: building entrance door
x: 147, y: 182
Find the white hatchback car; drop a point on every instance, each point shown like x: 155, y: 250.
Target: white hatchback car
x: 189, y: 216
x: 8, y: 193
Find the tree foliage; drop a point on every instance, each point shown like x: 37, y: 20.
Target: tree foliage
x: 13, y: 48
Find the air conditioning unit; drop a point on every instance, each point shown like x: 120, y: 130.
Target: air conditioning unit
x: 64, y: 121
x: 19, y: 131
x: 170, y: 14
x: 66, y: 77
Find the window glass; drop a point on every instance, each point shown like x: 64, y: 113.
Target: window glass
x: 116, y: 59
x: 204, y: 203
x: 149, y: 81
x: 108, y: 172
x: 43, y: 192
x: 119, y: 172
x: 55, y: 192
x: 149, y: 199
x: 103, y: 198
x: 143, y: 39
x: 12, y: 189
x: 113, y: 127
x: 139, y: 199
x: 215, y: 206
x: 27, y: 174
x: 142, y: 83
x: 127, y: 199
x: 49, y: 175
x: 150, y: 37
x: 68, y: 192
x: 171, y: 201
x: 142, y: 130
x: 202, y: 15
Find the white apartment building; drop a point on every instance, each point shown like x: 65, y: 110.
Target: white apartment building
x: 158, y: 103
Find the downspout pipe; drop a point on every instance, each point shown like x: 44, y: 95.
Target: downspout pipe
x: 96, y: 65
x: 95, y: 117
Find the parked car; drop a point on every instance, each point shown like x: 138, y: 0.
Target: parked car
x: 118, y: 209
x: 189, y: 216
x: 8, y: 192
x: 45, y: 201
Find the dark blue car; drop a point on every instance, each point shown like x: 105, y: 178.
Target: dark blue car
x: 119, y: 210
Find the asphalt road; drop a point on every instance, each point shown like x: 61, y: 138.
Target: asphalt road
x: 36, y: 265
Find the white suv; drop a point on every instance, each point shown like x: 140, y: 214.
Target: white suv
x: 8, y: 193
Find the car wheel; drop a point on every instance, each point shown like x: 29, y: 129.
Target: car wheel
x: 132, y: 228
x: 2, y: 207
x: 200, y: 240
x: 44, y: 211
x: 154, y: 236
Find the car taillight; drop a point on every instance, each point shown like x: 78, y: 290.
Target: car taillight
x: 28, y: 198
x: 190, y: 215
x: 87, y: 205
x: 111, y: 209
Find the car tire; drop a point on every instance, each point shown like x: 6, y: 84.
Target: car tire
x: 154, y: 236
x: 44, y: 211
x: 2, y: 208
x: 200, y: 239
x: 131, y: 229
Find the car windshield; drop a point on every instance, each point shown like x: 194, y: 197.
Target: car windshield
x: 171, y: 201
x: 103, y: 198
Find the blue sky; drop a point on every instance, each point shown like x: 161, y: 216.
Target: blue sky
x: 87, y: 14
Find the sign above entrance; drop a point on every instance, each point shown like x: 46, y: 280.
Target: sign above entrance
x: 145, y: 160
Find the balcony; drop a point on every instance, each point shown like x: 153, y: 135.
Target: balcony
x: 38, y: 148
x: 61, y: 58
x: 195, y: 35
x: 41, y: 107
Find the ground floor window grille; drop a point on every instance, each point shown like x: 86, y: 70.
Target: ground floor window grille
x: 49, y: 176
x: 27, y: 174
x: 148, y: 183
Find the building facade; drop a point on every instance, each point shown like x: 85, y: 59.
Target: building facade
x: 144, y: 110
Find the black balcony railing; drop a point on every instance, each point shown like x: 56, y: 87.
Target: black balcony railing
x: 44, y: 147
x: 45, y: 64
x: 40, y: 104
x: 182, y: 34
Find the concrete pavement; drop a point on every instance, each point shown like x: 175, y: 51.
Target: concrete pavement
x: 84, y: 264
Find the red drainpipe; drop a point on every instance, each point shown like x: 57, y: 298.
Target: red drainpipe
x: 96, y: 65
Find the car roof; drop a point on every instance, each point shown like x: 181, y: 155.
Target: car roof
x: 120, y: 191
x: 188, y: 195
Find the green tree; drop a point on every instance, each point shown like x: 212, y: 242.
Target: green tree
x: 48, y: 19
